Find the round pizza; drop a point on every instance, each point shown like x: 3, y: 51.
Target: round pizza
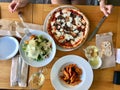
x: 68, y: 27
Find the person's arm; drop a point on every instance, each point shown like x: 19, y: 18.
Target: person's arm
x: 15, y: 4
x: 106, y: 9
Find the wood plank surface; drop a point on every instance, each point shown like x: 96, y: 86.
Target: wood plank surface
x: 36, y: 13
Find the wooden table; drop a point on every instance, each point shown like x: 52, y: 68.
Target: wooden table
x: 36, y: 13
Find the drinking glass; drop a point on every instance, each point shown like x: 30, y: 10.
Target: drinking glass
x: 36, y: 80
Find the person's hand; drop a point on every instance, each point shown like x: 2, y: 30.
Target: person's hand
x: 15, y: 4
x: 106, y: 9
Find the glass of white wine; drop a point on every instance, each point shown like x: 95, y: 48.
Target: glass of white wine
x: 36, y: 81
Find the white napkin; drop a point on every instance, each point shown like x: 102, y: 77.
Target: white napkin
x: 23, y: 74
x: 118, y: 55
x: 19, y: 72
x: 10, y: 33
x: 14, y: 73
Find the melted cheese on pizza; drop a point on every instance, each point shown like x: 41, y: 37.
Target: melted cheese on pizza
x: 68, y: 27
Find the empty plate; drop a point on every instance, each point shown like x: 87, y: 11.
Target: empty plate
x: 8, y: 47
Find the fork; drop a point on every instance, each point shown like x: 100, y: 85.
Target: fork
x: 27, y: 32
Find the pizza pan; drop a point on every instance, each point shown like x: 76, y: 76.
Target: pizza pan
x: 46, y: 22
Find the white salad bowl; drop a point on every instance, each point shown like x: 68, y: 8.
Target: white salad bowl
x: 36, y: 63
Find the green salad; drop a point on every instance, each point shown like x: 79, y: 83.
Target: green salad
x: 37, y: 47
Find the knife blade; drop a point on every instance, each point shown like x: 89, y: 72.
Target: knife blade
x: 96, y: 29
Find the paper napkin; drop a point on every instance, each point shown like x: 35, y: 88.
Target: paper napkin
x: 118, y: 55
x: 14, y: 71
x: 22, y: 82
x: 19, y: 72
x: 107, y: 61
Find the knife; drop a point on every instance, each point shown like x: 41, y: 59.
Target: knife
x: 96, y: 29
x: 19, y: 68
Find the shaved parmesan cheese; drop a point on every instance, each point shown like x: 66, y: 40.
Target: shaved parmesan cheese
x: 58, y: 20
x: 69, y: 24
x: 72, y: 42
x: 81, y: 35
x: 64, y: 15
x: 52, y: 23
x: 57, y: 14
x: 58, y: 33
x: 70, y: 19
x: 77, y: 39
x: 74, y: 27
x: 76, y: 31
x: 68, y: 36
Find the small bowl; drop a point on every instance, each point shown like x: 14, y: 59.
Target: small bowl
x: 92, y: 54
x: 36, y: 81
x: 91, y: 51
x: 95, y: 63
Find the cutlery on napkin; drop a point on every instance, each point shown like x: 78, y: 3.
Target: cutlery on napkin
x: 23, y: 73
x: 14, y: 71
x: 19, y: 72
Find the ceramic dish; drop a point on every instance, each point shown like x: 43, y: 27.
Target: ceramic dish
x: 36, y: 63
x: 8, y: 47
x: 95, y: 64
x: 87, y: 73
x: 92, y: 54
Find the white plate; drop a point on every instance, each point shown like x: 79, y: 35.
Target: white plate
x: 35, y: 63
x: 8, y: 47
x: 87, y: 73
x: 45, y: 27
